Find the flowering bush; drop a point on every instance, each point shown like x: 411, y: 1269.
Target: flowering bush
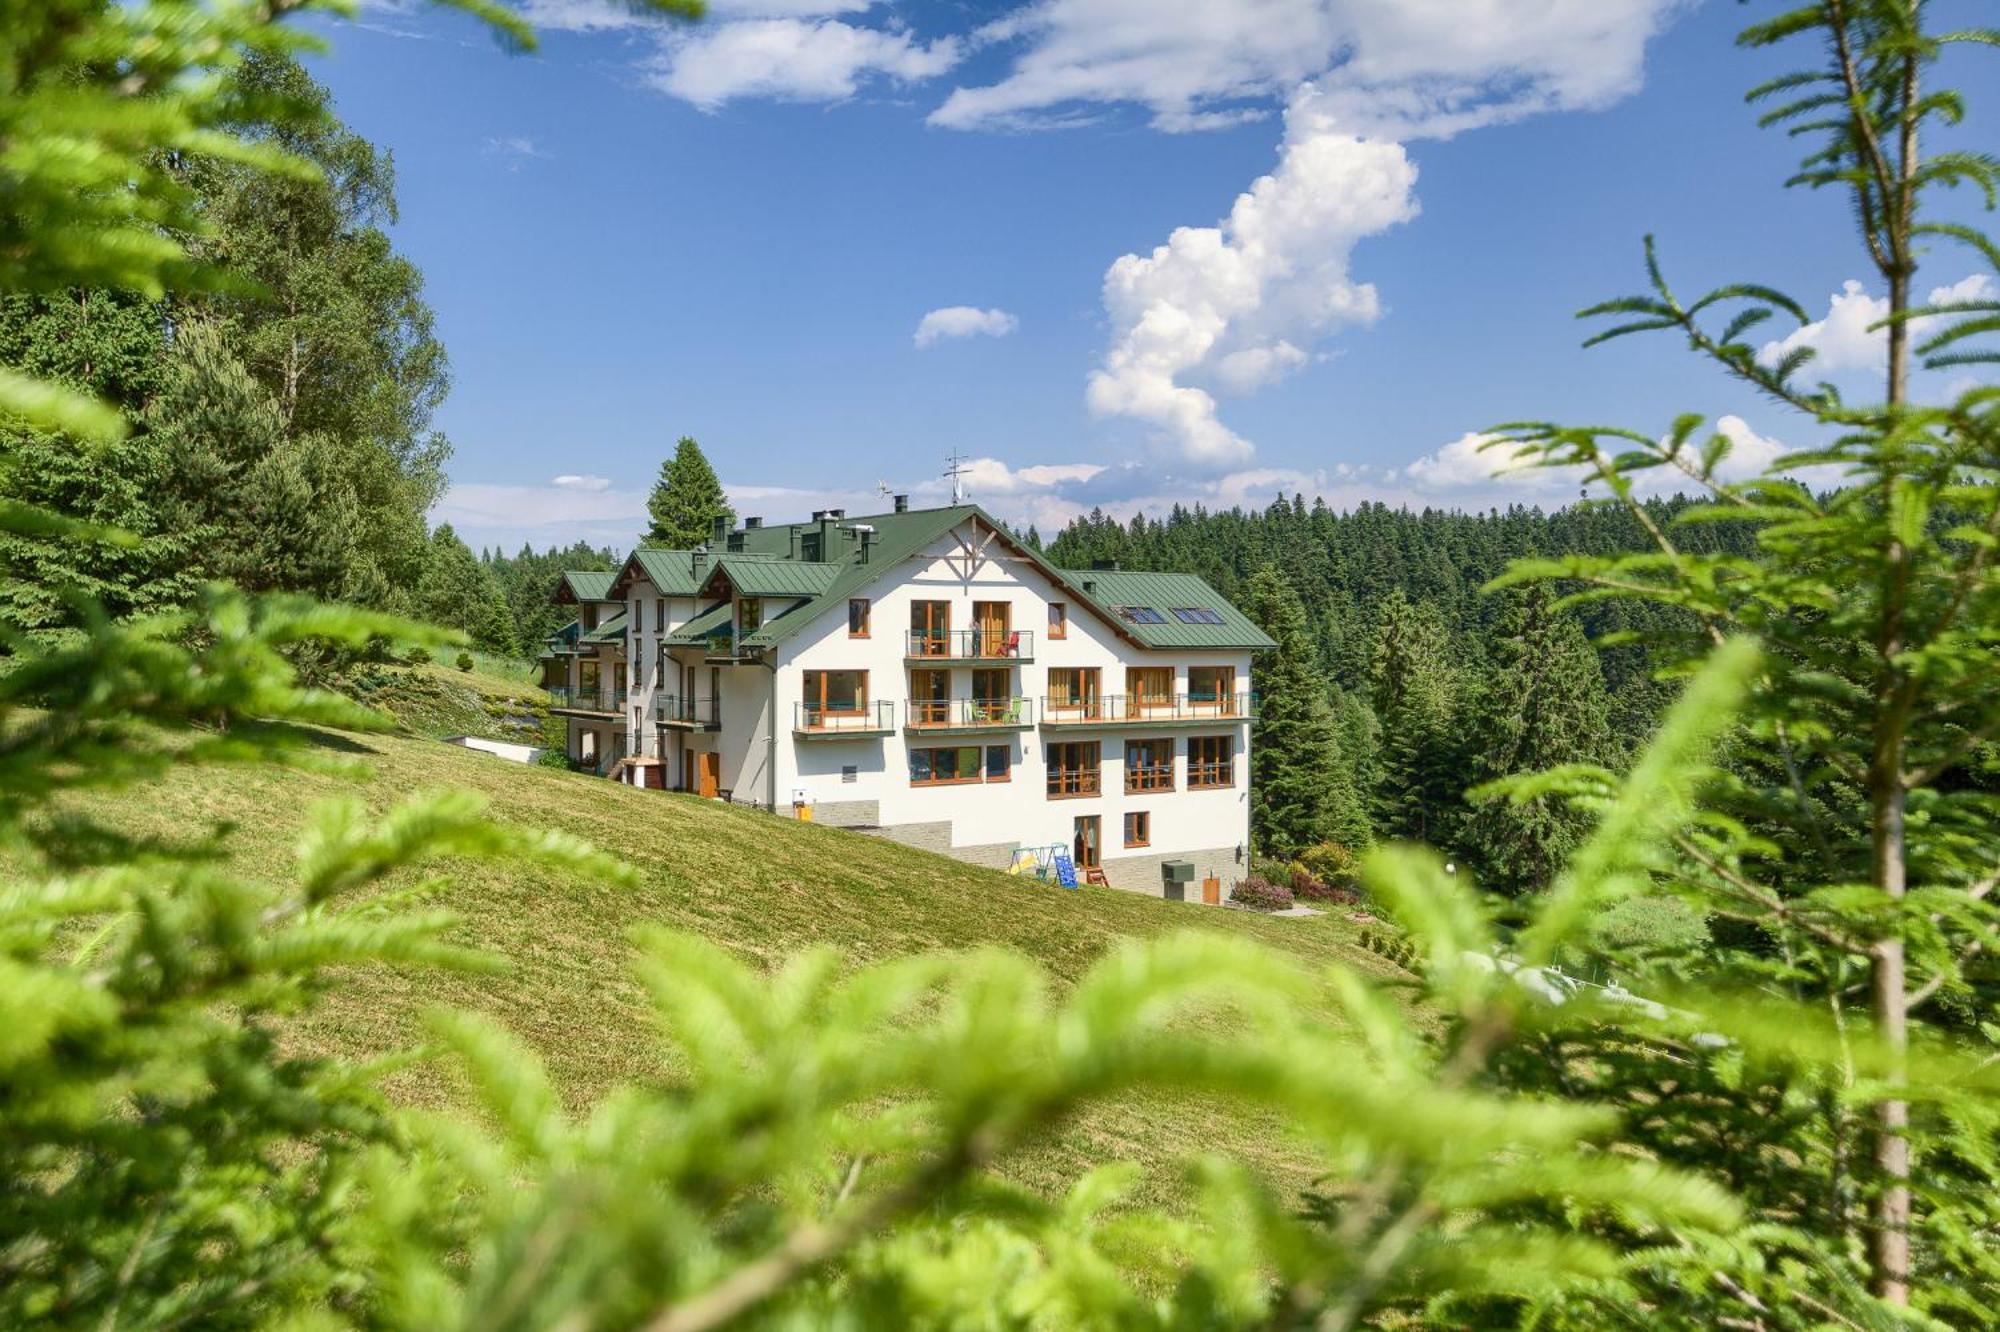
x: 1260, y: 894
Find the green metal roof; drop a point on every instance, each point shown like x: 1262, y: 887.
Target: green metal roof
x: 771, y: 576
x: 767, y: 567
x: 671, y: 571
x: 589, y: 584
x: 1113, y: 589
x: 611, y: 631
x: 701, y: 627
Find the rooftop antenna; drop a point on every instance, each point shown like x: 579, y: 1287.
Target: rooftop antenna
x: 883, y: 489
x: 954, y: 474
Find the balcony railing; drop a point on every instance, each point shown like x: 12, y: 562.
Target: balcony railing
x: 969, y: 714
x: 1066, y: 782
x: 1149, y: 777
x: 674, y: 710
x: 585, y: 698
x: 1116, y: 709
x: 1209, y: 776
x: 877, y: 718
x: 970, y: 645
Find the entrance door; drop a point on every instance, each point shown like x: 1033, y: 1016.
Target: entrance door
x: 687, y: 768
x: 1087, y: 841
x: 709, y: 783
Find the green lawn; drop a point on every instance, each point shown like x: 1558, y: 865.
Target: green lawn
x: 761, y: 885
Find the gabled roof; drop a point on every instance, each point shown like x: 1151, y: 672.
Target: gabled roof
x: 1111, y: 590
x: 670, y: 571
x: 584, y: 585
x: 770, y: 576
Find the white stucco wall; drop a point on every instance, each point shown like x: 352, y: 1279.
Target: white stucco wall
x: 1019, y: 810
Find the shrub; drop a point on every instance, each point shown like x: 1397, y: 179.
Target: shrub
x: 419, y: 656
x: 1260, y: 894
x: 465, y: 661
x: 1333, y: 864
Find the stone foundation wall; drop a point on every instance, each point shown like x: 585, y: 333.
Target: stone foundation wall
x: 1139, y: 872
x: 937, y: 837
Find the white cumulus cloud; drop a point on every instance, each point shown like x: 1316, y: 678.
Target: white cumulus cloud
x: 963, y: 321
x: 792, y: 59
x: 1843, y: 341
x: 1466, y: 472
x: 588, y: 484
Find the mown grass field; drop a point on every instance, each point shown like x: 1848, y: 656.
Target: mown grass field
x: 759, y: 885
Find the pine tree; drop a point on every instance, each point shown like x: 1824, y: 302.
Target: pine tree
x: 686, y: 500
x: 1298, y: 787
x: 1418, y: 782
x: 1540, y: 706
x: 459, y: 592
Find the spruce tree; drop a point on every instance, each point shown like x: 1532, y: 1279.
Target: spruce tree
x: 1541, y: 705
x: 686, y: 500
x: 1298, y: 786
x: 1418, y: 781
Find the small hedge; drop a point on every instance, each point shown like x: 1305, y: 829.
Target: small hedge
x: 1260, y: 894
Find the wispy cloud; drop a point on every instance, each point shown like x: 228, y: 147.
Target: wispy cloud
x: 516, y: 150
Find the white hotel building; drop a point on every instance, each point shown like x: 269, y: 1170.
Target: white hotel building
x: 923, y: 675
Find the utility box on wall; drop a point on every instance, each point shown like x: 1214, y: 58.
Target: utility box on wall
x: 1175, y: 876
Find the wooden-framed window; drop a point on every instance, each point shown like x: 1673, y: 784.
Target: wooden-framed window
x: 1149, y: 765
x: 857, y: 617
x: 1075, y: 769
x: 993, y: 694
x: 999, y: 763
x: 749, y: 615
x: 1212, y: 689
x: 1138, y: 828
x: 1149, y: 686
x: 1058, y: 619
x: 930, y: 628
x: 835, y: 694
x: 1211, y: 761
x: 659, y: 615
x: 1073, y: 687
x: 995, y: 622
x: 954, y: 766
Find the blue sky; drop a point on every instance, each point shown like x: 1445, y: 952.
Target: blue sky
x: 737, y: 230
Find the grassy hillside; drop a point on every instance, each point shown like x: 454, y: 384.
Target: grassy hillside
x: 496, y: 700
x: 761, y: 885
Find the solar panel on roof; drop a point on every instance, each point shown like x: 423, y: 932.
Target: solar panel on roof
x: 1196, y: 615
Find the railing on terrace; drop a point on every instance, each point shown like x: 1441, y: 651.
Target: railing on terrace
x: 1057, y: 711
x: 948, y: 713
x: 678, y: 711
x: 1065, y: 782
x: 586, y: 698
x: 970, y: 644
x: 1149, y: 777
x: 1210, y: 775
x: 612, y: 757
x: 867, y: 718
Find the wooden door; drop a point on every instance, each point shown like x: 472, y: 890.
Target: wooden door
x: 710, y: 779
x: 1211, y: 890
x: 991, y: 617
x: 930, y: 697
x: 687, y: 768
x: 930, y: 628
x: 991, y: 690
x: 1088, y: 841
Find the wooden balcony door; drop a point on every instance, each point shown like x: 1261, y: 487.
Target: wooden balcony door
x: 992, y: 692
x: 1149, y: 686
x: 930, y: 696
x: 930, y: 628
x: 993, y: 620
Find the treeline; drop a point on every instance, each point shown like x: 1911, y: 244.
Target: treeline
x: 1399, y: 685
x: 280, y: 412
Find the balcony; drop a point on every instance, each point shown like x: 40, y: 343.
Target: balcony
x: 977, y: 647
x: 587, y: 700
x: 811, y: 721
x: 966, y: 715
x: 1072, y: 783
x: 688, y: 714
x: 1149, y: 777
x: 1107, y: 710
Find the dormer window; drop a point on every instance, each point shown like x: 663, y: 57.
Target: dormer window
x: 1196, y: 615
x: 1141, y: 615
x: 749, y: 615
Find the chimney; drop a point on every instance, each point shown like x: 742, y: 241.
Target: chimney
x: 721, y: 528
x: 1106, y: 565
x: 836, y: 513
x: 902, y: 504
x: 735, y: 541
x: 866, y: 531
x: 818, y: 514
x: 752, y: 524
